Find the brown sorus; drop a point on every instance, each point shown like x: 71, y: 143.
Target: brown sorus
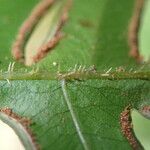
x: 127, y: 128
x: 25, y: 122
x: 29, y: 24
x: 134, y: 30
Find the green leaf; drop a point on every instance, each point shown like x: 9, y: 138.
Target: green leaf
x: 90, y: 45
x: 96, y: 104
x: 77, y: 96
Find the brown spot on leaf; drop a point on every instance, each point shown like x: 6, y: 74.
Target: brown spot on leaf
x: 127, y: 128
x: 134, y: 30
x: 86, y: 23
x: 24, y: 121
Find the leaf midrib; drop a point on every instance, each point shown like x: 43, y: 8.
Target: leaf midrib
x: 74, y: 75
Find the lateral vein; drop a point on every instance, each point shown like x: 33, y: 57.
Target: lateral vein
x: 75, y: 121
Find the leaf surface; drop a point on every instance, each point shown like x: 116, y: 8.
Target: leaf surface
x: 77, y: 112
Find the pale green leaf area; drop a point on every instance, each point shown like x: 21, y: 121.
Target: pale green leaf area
x: 142, y: 133
x: 145, y: 33
x: 44, y: 31
x: 81, y: 114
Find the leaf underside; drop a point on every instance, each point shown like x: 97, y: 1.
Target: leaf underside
x: 97, y: 106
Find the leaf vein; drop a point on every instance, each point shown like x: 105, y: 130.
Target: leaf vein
x: 66, y: 97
